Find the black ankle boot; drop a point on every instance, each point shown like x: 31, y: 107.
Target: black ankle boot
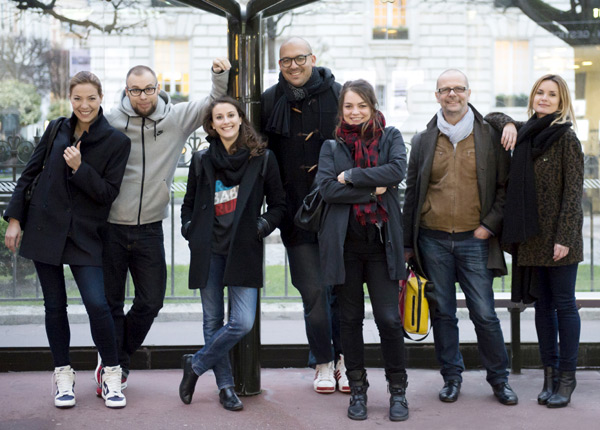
x: 398, y: 405
x: 562, y: 394
x: 550, y: 382
x: 358, y: 394
x: 188, y: 382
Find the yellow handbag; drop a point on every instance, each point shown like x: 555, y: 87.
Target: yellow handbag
x: 414, y: 307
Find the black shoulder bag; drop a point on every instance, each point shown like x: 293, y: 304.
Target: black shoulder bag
x: 309, y: 214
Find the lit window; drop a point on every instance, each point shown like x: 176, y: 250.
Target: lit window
x: 172, y: 63
x: 389, y: 19
x: 512, y: 73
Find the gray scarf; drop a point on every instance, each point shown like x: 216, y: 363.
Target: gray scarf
x: 460, y: 130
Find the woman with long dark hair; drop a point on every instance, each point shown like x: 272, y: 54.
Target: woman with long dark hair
x: 543, y: 227
x: 79, y: 181
x: 361, y: 238
x: 222, y: 220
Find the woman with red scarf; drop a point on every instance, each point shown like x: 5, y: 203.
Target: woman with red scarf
x: 361, y: 238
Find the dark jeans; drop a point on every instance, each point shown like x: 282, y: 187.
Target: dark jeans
x: 556, y: 316
x: 305, y: 268
x: 372, y: 268
x: 335, y: 327
x: 139, y: 249
x: 91, y: 286
x: 219, y: 338
x: 465, y: 261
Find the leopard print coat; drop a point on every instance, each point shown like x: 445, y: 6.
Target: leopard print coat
x: 559, y: 188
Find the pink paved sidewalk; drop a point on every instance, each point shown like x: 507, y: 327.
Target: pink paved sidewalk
x: 289, y: 403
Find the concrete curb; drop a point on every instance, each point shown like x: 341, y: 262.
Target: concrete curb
x: 28, y: 314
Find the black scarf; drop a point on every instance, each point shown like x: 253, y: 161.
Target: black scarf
x: 320, y: 81
x: 520, y: 210
x: 229, y: 168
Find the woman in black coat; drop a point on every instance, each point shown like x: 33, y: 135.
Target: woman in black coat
x: 78, y: 182
x: 543, y: 223
x: 222, y: 220
x: 361, y: 238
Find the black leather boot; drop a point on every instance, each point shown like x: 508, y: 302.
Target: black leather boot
x: 188, y: 382
x: 562, y: 394
x: 550, y: 382
x: 358, y: 394
x: 398, y: 405
x: 230, y: 400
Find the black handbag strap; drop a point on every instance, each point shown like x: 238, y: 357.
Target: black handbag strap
x: 53, y: 132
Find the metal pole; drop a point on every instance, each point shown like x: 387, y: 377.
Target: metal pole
x: 591, y: 246
x: 172, y: 243
x: 515, y: 342
x: 245, y: 85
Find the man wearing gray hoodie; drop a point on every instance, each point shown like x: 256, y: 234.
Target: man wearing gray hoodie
x: 133, y: 237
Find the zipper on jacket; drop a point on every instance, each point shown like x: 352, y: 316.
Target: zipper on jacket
x: 143, y: 171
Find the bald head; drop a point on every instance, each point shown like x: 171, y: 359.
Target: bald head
x: 296, y: 42
x: 298, y: 61
x: 454, y: 74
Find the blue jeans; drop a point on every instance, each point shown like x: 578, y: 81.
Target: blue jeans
x: 219, y: 338
x: 91, y: 287
x: 384, y: 293
x: 556, y: 315
x: 140, y: 250
x: 305, y: 268
x: 446, y: 262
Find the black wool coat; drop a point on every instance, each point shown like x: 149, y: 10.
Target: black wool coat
x: 312, y: 123
x: 336, y: 158
x: 244, y: 266
x: 66, y: 205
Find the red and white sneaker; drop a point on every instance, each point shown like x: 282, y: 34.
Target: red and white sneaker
x: 340, y: 376
x: 98, y: 377
x: 324, y: 380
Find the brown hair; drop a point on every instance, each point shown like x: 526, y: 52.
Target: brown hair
x: 248, y: 137
x: 366, y: 92
x: 85, y: 78
x: 565, y: 110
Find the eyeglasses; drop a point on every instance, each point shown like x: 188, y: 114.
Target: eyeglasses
x: 300, y: 60
x: 446, y: 90
x: 136, y: 92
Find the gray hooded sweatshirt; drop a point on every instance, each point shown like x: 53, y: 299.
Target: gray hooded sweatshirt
x: 156, y: 144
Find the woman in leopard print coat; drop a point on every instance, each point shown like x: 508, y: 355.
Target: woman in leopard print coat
x: 543, y: 227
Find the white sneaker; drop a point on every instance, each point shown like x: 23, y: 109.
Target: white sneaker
x: 111, y: 387
x: 64, y: 378
x: 98, y: 377
x: 340, y: 376
x: 324, y: 380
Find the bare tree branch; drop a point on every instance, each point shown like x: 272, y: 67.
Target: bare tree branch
x: 51, y: 8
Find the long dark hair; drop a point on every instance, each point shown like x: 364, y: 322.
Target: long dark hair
x: 366, y: 92
x: 248, y: 137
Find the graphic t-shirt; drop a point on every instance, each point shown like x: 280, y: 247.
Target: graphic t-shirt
x: 225, y: 203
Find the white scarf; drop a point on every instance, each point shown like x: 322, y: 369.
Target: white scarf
x: 460, y: 130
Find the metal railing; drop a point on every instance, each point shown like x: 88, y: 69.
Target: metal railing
x: 18, y: 281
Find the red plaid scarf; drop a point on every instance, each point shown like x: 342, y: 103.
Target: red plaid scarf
x: 365, y: 150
